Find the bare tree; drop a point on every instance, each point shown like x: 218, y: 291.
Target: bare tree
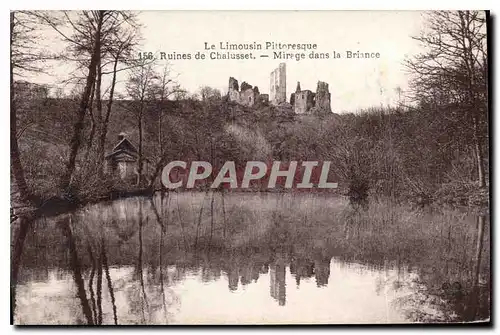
x: 209, y: 94
x: 138, y: 87
x: 452, y: 73
x: 97, y: 20
x: 162, y: 89
x: 98, y: 17
x: 25, y: 58
x: 97, y: 40
x: 120, y: 52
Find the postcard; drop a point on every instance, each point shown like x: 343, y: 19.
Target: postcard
x: 250, y: 167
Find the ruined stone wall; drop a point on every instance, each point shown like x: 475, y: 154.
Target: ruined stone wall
x: 233, y: 90
x: 245, y: 86
x: 278, y: 85
x: 282, y: 86
x: 303, y: 101
x: 247, y: 97
x: 272, y: 85
x: 323, y: 98
x: 234, y: 96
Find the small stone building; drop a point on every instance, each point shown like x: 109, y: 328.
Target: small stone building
x: 248, y: 94
x: 122, y: 161
x: 302, y: 100
x: 306, y: 101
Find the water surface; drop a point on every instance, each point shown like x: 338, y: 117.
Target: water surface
x: 203, y: 258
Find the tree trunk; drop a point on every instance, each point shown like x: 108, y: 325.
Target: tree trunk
x: 478, y: 155
x: 90, y: 139
x: 98, y: 95
x: 156, y: 173
x: 479, y: 247
x: 474, y: 301
x: 211, y: 220
x: 160, y: 145
x: 78, y: 126
x: 75, y: 264
x: 16, y: 258
x: 105, y: 123
x: 139, y: 161
x: 15, y: 158
x: 468, y: 45
x: 108, y: 279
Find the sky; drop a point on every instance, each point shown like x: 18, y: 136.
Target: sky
x: 354, y: 83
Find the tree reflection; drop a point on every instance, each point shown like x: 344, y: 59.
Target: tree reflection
x: 20, y: 237
x: 64, y: 225
x: 142, y: 265
x: 277, y: 275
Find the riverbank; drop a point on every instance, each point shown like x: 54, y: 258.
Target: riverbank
x: 465, y: 198
x: 57, y: 205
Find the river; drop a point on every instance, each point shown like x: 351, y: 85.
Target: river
x: 208, y: 258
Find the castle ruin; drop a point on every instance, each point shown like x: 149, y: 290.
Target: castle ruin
x: 305, y: 101
x: 245, y: 95
x: 301, y: 101
x: 323, y: 97
x: 278, y: 85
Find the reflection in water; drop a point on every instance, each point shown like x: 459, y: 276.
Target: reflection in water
x: 109, y: 281
x: 475, y: 295
x: 322, y: 271
x: 278, y: 280
x: 159, y: 261
x: 301, y: 268
x: 64, y: 224
x: 18, y: 246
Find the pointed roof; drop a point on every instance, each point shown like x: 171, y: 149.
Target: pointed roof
x: 124, y: 146
x: 298, y: 87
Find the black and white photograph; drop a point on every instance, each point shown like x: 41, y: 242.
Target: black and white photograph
x: 271, y: 167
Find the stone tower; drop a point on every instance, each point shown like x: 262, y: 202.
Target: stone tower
x: 233, y: 90
x: 278, y: 85
x: 323, y: 97
x: 302, y: 100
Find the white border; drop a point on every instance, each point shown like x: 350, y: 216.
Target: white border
x: 195, y: 5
